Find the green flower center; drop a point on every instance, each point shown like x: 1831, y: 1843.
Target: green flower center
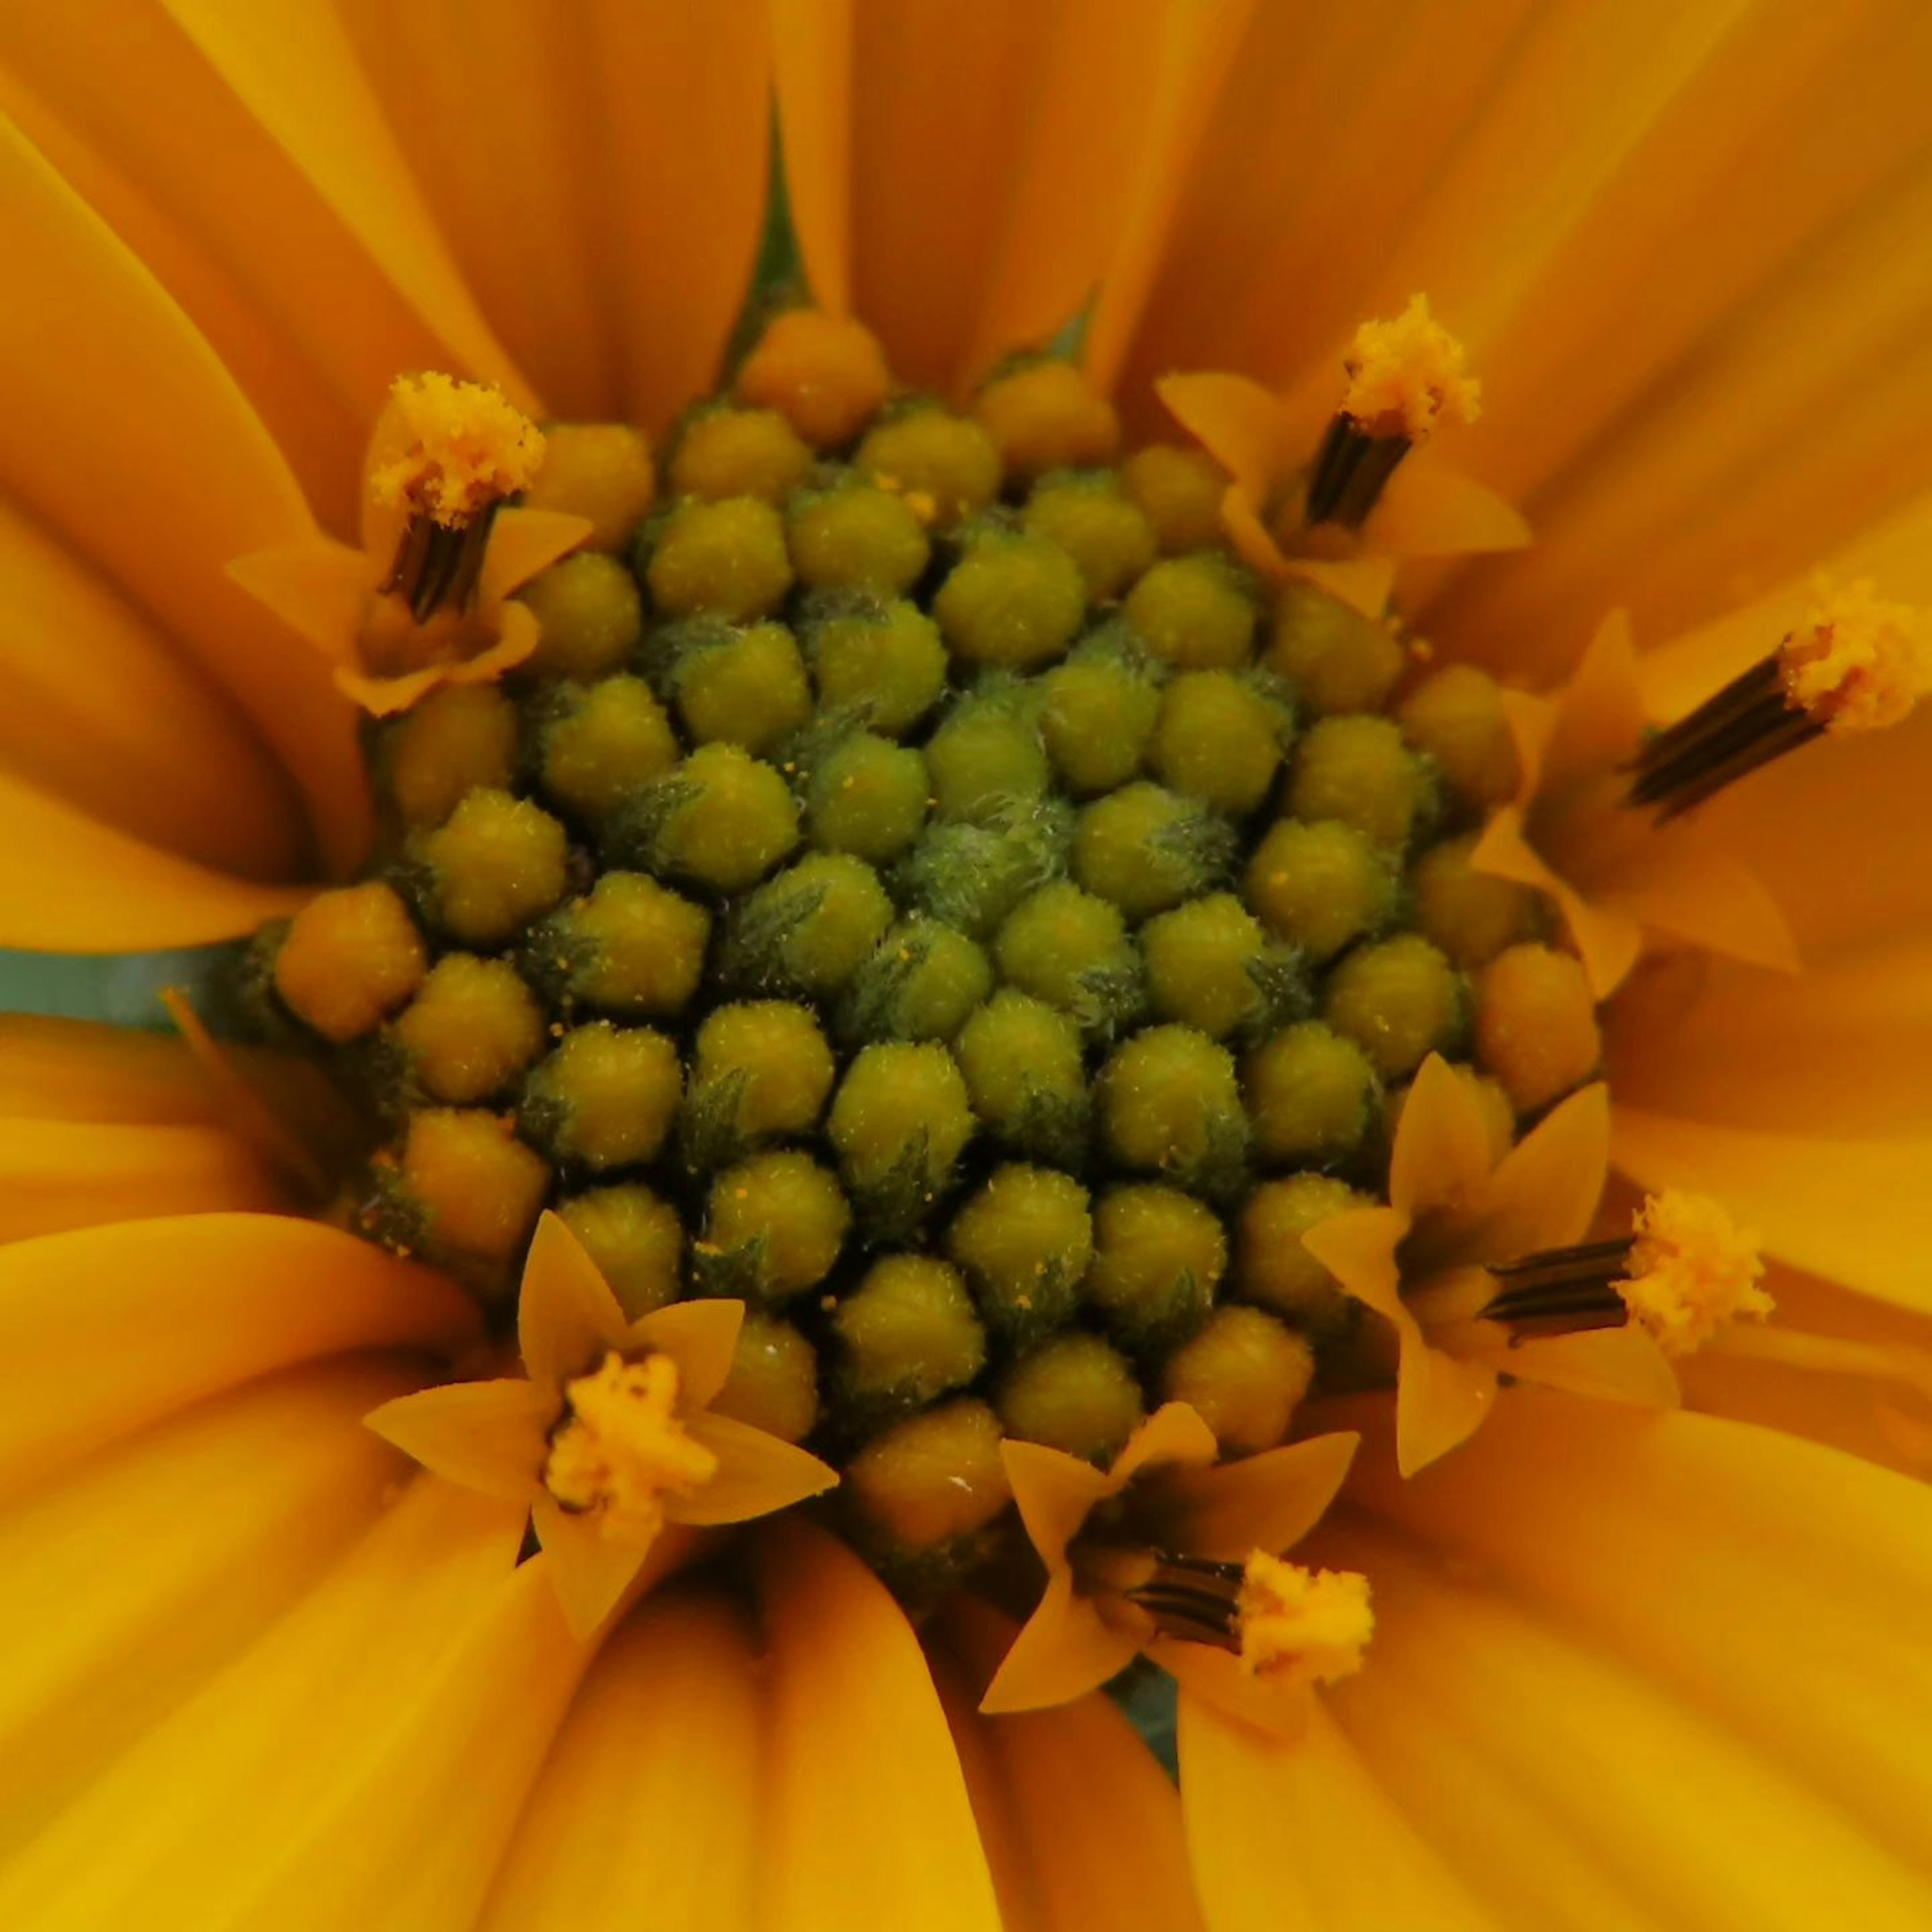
x: 940, y: 905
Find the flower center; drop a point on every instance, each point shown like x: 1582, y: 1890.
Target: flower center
x: 620, y: 1449
x: 921, y: 886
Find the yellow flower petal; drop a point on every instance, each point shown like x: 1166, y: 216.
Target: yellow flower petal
x: 566, y: 1315
x: 1089, y: 1824
x: 589, y: 1570
x: 487, y: 1436
x: 662, y: 1752
x: 867, y: 1820
x: 105, y: 1329
x: 757, y: 1474
x: 1065, y: 1649
x: 1545, y: 1190
x: 283, y: 1475
x: 1300, y: 1833
x: 69, y: 883
x: 164, y: 472
x: 1429, y: 509
x: 1053, y: 1493
x: 422, y: 1644
x: 98, y: 708
x: 55, y: 1175
x: 63, y: 1070
x: 1621, y: 1364
x: 700, y: 1336
x: 1440, y: 1158
x: 1269, y: 1501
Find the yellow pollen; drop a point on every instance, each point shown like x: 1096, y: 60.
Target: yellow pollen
x: 1300, y: 1626
x: 1406, y: 375
x: 1857, y: 663
x: 464, y: 447
x: 623, y: 1450
x: 1692, y: 1269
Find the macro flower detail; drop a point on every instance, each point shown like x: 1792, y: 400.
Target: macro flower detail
x: 923, y: 1007
x: 1168, y: 1554
x: 611, y: 1435
x: 424, y: 602
x: 1429, y: 1263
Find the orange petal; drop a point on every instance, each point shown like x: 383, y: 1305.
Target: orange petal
x: 63, y: 1070
x: 518, y: 632
x: 1174, y: 1437
x: 99, y: 709
x: 662, y: 1749
x: 55, y: 1175
x: 1610, y: 1364
x: 1239, y: 423
x: 1429, y: 509
x: 566, y: 1314
x: 105, y: 1329
x: 867, y: 1820
x: 1053, y: 1492
x: 1091, y: 1823
x: 1359, y: 1249
x: 1687, y: 884
x: 700, y: 1336
x: 1440, y: 1159
x: 69, y: 883
x: 1363, y: 583
x: 1854, y: 1211
x: 318, y: 588
x: 1600, y: 716
x: 1216, y: 1678
x: 1441, y: 1400
x: 165, y: 472
x: 1545, y: 1189
x: 522, y: 542
x: 1605, y: 932
x: 283, y: 1475
x: 1285, y: 1833
x: 1269, y: 1501
x: 1065, y: 1650
x: 484, y: 1435
x: 758, y: 1473
x: 589, y: 1570
x: 423, y: 1642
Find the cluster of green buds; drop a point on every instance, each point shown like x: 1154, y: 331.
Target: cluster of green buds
x: 924, y: 886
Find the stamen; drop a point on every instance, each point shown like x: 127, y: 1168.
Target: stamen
x: 1856, y: 664
x: 1692, y: 1269
x: 1405, y: 375
x: 622, y: 1450
x: 459, y: 449
x: 1285, y: 1623
x: 1685, y: 1269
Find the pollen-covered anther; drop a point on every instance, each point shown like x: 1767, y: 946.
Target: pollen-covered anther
x: 1685, y: 1269
x: 1406, y: 375
x: 449, y: 453
x: 1857, y: 663
x: 1691, y: 1270
x: 1286, y: 1623
x: 1301, y: 1626
x: 621, y: 1449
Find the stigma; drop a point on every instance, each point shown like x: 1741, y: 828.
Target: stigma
x: 621, y: 1449
x: 1685, y: 1270
x: 1857, y: 663
x: 448, y: 454
x: 1406, y: 376
x: 1287, y: 1624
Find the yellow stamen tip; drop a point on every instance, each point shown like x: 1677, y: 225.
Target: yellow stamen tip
x: 1857, y: 663
x: 1692, y: 1269
x: 458, y: 448
x: 1300, y: 1626
x: 623, y: 1450
x: 1406, y: 375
